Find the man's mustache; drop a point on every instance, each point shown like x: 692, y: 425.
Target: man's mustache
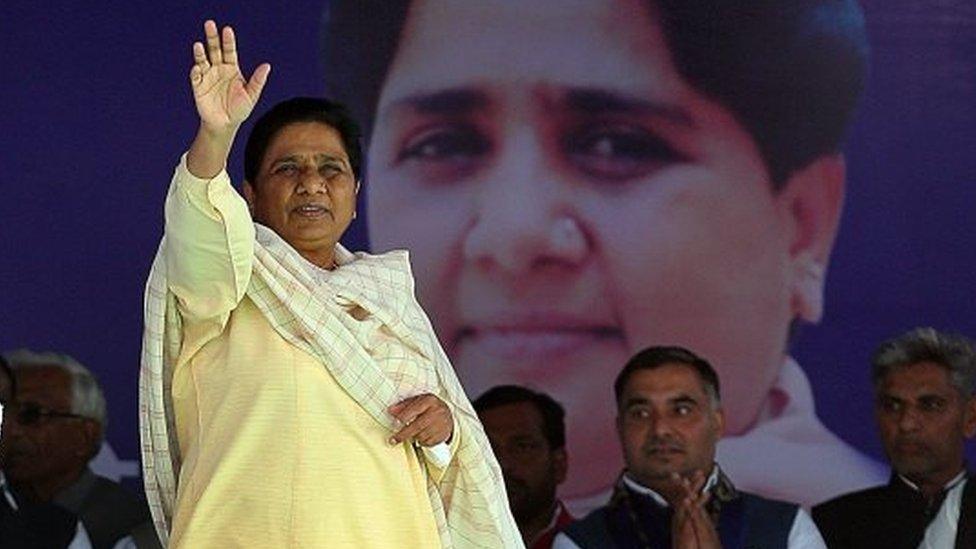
x: 662, y: 444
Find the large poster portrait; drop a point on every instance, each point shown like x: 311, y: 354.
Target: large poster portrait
x: 777, y: 185
x: 577, y: 181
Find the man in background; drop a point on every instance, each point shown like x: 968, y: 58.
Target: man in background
x: 528, y: 435
x: 672, y: 492
x: 53, y: 428
x: 924, y: 384
x: 27, y: 525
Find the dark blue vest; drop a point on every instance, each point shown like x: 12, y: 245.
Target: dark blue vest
x: 745, y: 522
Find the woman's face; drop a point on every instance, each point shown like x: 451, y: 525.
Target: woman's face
x: 305, y: 189
x: 569, y: 200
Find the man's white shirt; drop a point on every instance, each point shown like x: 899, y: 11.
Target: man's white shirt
x: 941, y: 532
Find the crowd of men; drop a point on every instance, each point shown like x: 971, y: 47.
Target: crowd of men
x: 671, y: 493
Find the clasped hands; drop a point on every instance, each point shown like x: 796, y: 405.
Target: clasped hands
x: 425, y: 419
x: 692, y: 526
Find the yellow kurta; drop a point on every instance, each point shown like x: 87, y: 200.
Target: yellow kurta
x: 275, y: 453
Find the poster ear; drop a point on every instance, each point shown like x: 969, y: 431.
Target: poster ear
x: 814, y: 196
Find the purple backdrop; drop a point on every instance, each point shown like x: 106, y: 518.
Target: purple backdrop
x: 95, y: 109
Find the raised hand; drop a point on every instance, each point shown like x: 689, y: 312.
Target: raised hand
x: 222, y: 96
x: 223, y: 99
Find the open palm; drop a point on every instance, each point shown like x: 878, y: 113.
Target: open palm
x: 222, y: 96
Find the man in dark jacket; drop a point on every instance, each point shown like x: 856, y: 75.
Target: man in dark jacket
x: 53, y: 426
x: 672, y: 493
x: 924, y: 385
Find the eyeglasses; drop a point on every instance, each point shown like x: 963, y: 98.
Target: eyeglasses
x: 28, y: 413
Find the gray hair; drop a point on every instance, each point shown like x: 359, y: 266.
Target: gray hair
x: 87, y: 399
x: 953, y: 352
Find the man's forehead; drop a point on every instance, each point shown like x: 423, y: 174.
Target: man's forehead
x: 516, y: 417
x: 915, y: 380
x: 918, y: 372
x: 665, y: 382
x: 41, y: 381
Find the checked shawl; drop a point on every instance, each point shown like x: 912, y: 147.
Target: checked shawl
x: 315, y: 314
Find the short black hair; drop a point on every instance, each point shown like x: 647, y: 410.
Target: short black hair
x: 652, y: 358
x: 302, y: 109
x: 791, y: 71
x: 553, y: 415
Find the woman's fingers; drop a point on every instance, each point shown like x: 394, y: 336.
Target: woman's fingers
x: 213, y: 42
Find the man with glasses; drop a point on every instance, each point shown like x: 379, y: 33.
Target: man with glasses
x: 26, y: 524
x: 53, y: 427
